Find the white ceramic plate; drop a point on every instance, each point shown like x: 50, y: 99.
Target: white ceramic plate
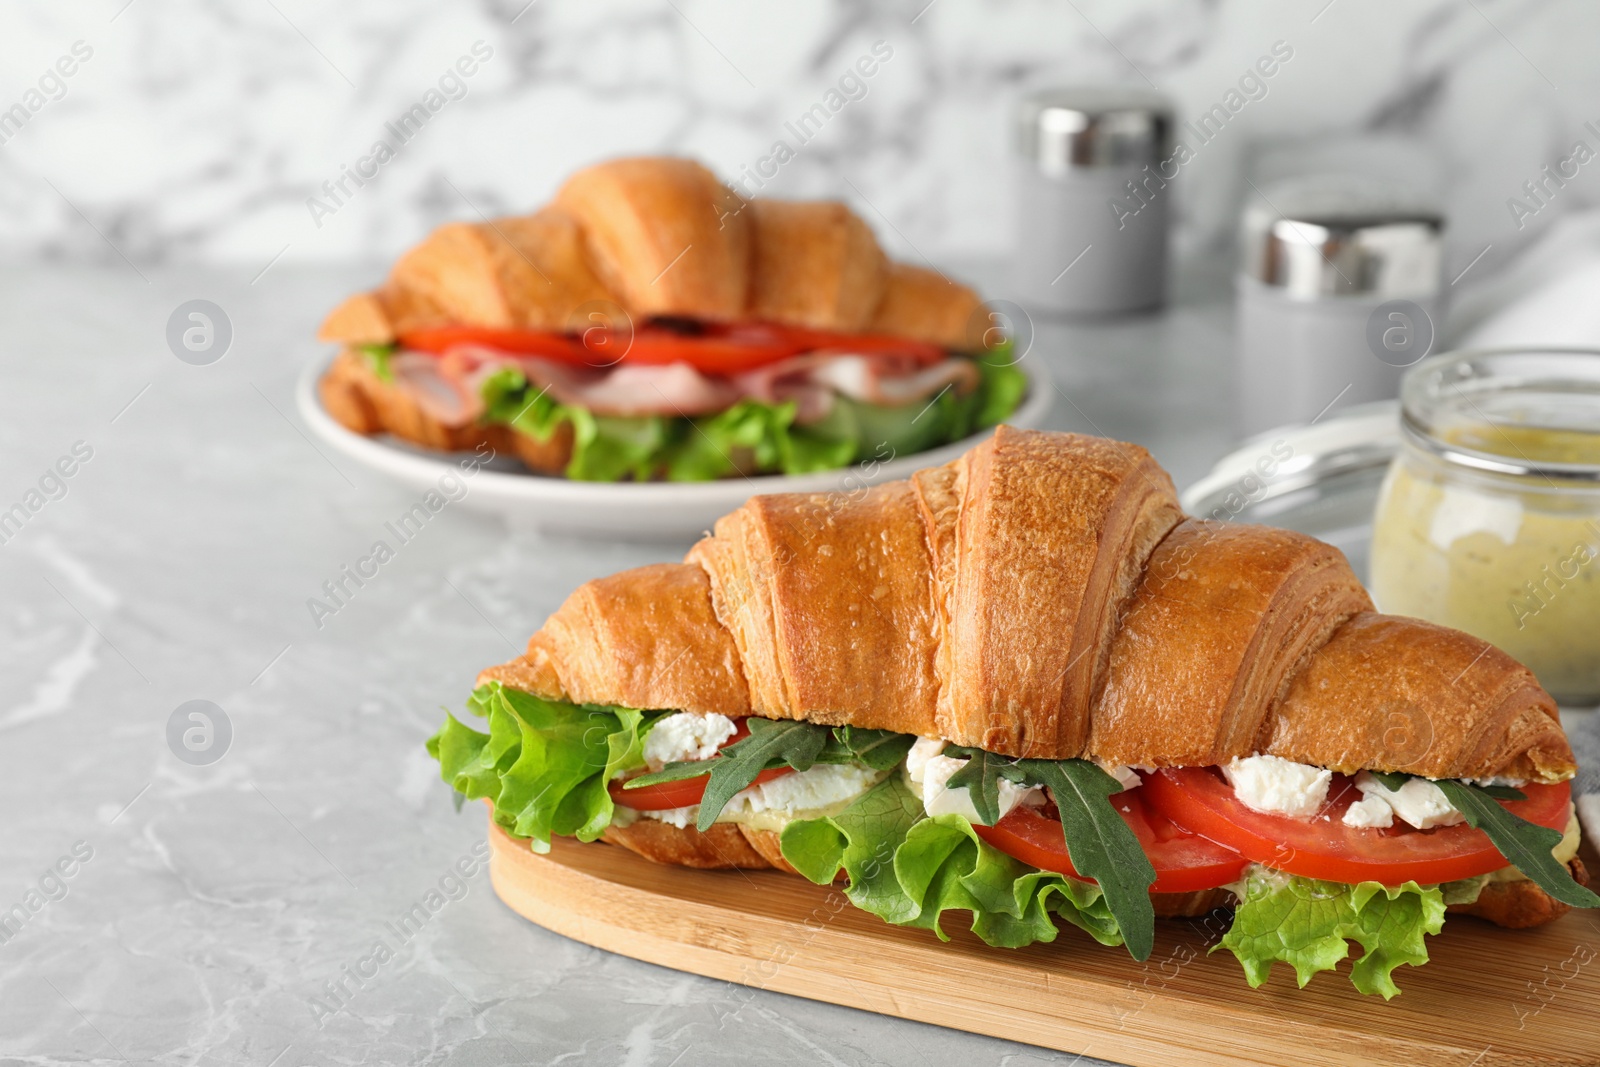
x: 630, y: 510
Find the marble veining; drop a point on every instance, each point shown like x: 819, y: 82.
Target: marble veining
x: 203, y: 132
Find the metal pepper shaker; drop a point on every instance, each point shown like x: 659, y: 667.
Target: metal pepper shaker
x: 1338, y: 291
x: 1093, y: 180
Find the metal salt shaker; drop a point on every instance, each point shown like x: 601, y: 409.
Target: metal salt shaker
x: 1338, y: 291
x: 1093, y: 182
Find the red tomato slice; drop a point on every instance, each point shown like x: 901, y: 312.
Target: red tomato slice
x: 727, y: 350
x: 1184, y: 862
x: 1201, y: 800
x: 688, y: 791
x: 924, y: 353
x: 441, y: 339
x: 712, y: 348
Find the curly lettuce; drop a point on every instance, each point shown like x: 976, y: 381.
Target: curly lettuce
x: 544, y: 765
x: 1309, y: 924
x: 377, y: 358
x: 605, y: 448
x: 753, y: 437
x: 910, y: 870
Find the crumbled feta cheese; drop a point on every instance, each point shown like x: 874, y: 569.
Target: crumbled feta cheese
x: 686, y: 736
x: 1369, y: 811
x: 824, y: 785
x: 939, y: 799
x: 1128, y: 776
x: 769, y: 805
x: 679, y: 817
x: 922, y: 750
x: 1418, y: 802
x: 1278, y: 786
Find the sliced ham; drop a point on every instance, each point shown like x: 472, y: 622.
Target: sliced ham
x: 438, y: 388
x: 871, y: 379
x: 449, y: 386
x: 813, y: 380
x: 674, y: 389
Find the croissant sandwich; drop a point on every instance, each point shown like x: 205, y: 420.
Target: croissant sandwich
x: 1023, y: 687
x: 652, y: 323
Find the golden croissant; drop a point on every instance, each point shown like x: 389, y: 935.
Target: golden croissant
x: 645, y: 301
x: 1042, y: 611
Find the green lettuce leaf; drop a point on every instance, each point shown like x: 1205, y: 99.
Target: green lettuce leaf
x: 377, y: 358
x: 753, y: 437
x: 910, y: 870
x: 1001, y: 390
x: 605, y: 448
x: 1308, y: 924
x: 1464, y: 890
x: 757, y: 438
x: 543, y: 764
x: 1102, y: 846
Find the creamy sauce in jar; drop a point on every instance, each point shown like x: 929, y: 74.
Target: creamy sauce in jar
x: 1511, y: 558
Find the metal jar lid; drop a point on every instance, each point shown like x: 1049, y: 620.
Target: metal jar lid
x: 1535, y: 388
x: 1338, y: 235
x: 1070, y: 129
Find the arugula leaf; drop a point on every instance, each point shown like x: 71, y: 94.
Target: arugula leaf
x: 672, y: 772
x: 1525, y: 844
x: 981, y: 776
x: 1392, y: 780
x: 1498, y: 792
x: 543, y: 764
x: 771, y: 744
x: 1304, y: 922
x: 1101, y: 844
x: 794, y: 743
x: 879, y: 749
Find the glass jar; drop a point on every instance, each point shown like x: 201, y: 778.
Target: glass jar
x: 1489, y: 518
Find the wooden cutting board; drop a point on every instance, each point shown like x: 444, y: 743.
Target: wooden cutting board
x: 1488, y: 997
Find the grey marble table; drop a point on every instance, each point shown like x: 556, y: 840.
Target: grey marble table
x: 175, y: 911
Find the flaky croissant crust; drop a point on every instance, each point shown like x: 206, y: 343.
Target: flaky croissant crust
x: 1043, y: 596
x: 643, y: 237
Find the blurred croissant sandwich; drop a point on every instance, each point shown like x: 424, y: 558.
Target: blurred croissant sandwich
x: 1024, y: 688
x: 651, y: 323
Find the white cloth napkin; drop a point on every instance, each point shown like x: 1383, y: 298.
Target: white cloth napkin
x: 1549, y: 295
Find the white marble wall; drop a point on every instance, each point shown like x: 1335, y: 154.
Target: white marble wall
x: 197, y: 131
